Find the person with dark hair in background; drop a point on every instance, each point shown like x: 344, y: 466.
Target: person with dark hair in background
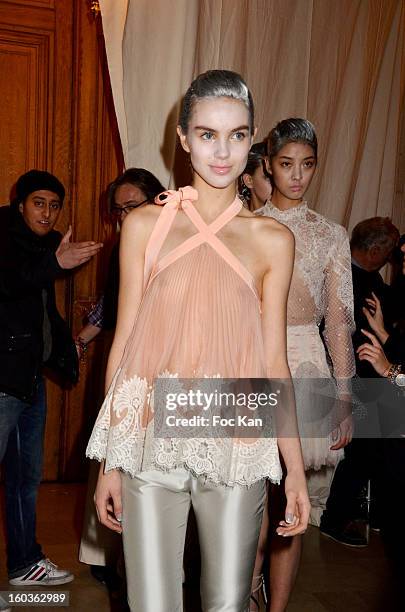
x: 132, y: 189
x: 33, y: 334
x: 372, y: 244
x: 136, y: 187
x: 321, y: 290
x: 255, y: 182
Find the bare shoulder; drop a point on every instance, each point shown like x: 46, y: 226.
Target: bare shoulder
x: 144, y: 215
x: 141, y: 221
x: 271, y: 235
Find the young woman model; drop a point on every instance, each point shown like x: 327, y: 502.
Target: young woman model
x: 190, y: 270
x: 255, y: 183
x: 321, y: 290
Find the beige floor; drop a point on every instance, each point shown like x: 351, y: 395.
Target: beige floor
x: 332, y: 578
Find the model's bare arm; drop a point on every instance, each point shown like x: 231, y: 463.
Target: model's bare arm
x: 279, y: 261
x: 276, y: 283
x: 135, y: 233
x: 136, y: 230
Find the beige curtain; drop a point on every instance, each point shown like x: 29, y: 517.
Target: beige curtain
x: 341, y: 63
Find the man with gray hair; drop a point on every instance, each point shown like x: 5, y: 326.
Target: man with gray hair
x: 372, y: 245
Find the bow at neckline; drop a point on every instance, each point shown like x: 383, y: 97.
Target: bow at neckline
x: 177, y: 199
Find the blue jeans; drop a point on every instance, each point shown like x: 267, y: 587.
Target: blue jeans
x: 22, y: 427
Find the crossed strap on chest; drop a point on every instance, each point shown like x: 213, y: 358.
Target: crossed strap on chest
x: 183, y: 199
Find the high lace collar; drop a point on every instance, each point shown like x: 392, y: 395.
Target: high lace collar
x: 296, y: 212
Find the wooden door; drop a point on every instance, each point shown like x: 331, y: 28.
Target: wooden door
x: 56, y: 114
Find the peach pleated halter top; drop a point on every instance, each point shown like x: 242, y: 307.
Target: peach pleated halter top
x: 199, y: 318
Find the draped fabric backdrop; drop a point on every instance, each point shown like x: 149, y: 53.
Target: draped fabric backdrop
x: 340, y: 63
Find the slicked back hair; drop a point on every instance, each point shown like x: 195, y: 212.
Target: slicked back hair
x: 290, y: 130
x: 216, y: 84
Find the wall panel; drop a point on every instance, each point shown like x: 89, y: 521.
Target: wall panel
x: 56, y: 114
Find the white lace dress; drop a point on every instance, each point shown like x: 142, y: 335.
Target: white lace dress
x: 321, y: 290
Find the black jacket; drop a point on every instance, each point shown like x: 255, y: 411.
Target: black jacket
x: 28, y: 270
x: 394, y: 347
x: 364, y: 283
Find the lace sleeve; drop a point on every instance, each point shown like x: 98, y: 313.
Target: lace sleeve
x: 338, y: 309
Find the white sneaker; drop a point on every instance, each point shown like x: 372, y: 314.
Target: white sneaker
x: 43, y: 573
x: 4, y: 607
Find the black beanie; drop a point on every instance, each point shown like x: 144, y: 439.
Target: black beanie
x: 36, y: 180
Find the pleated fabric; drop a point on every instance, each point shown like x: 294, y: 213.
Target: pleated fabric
x: 199, y: 317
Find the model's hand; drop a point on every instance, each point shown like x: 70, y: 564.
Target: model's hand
x: 343, y: 434
x: 107, y: 498
x: 374, y: 316
x: 73, y: 254
x: 298, y: 506
x: 374, y: 354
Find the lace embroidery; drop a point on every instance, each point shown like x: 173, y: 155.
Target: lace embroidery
x: 321, y: 287
x: 315, y: 239
x: 119, y: 438
x: 129, y: 398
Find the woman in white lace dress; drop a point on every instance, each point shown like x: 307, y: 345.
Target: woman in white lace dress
x: 320, y: 294
x: 190, y: 270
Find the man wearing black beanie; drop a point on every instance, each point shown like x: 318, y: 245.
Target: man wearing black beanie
x: 32, y: 335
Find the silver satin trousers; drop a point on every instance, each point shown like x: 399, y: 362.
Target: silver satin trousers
x: 155, y: 510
